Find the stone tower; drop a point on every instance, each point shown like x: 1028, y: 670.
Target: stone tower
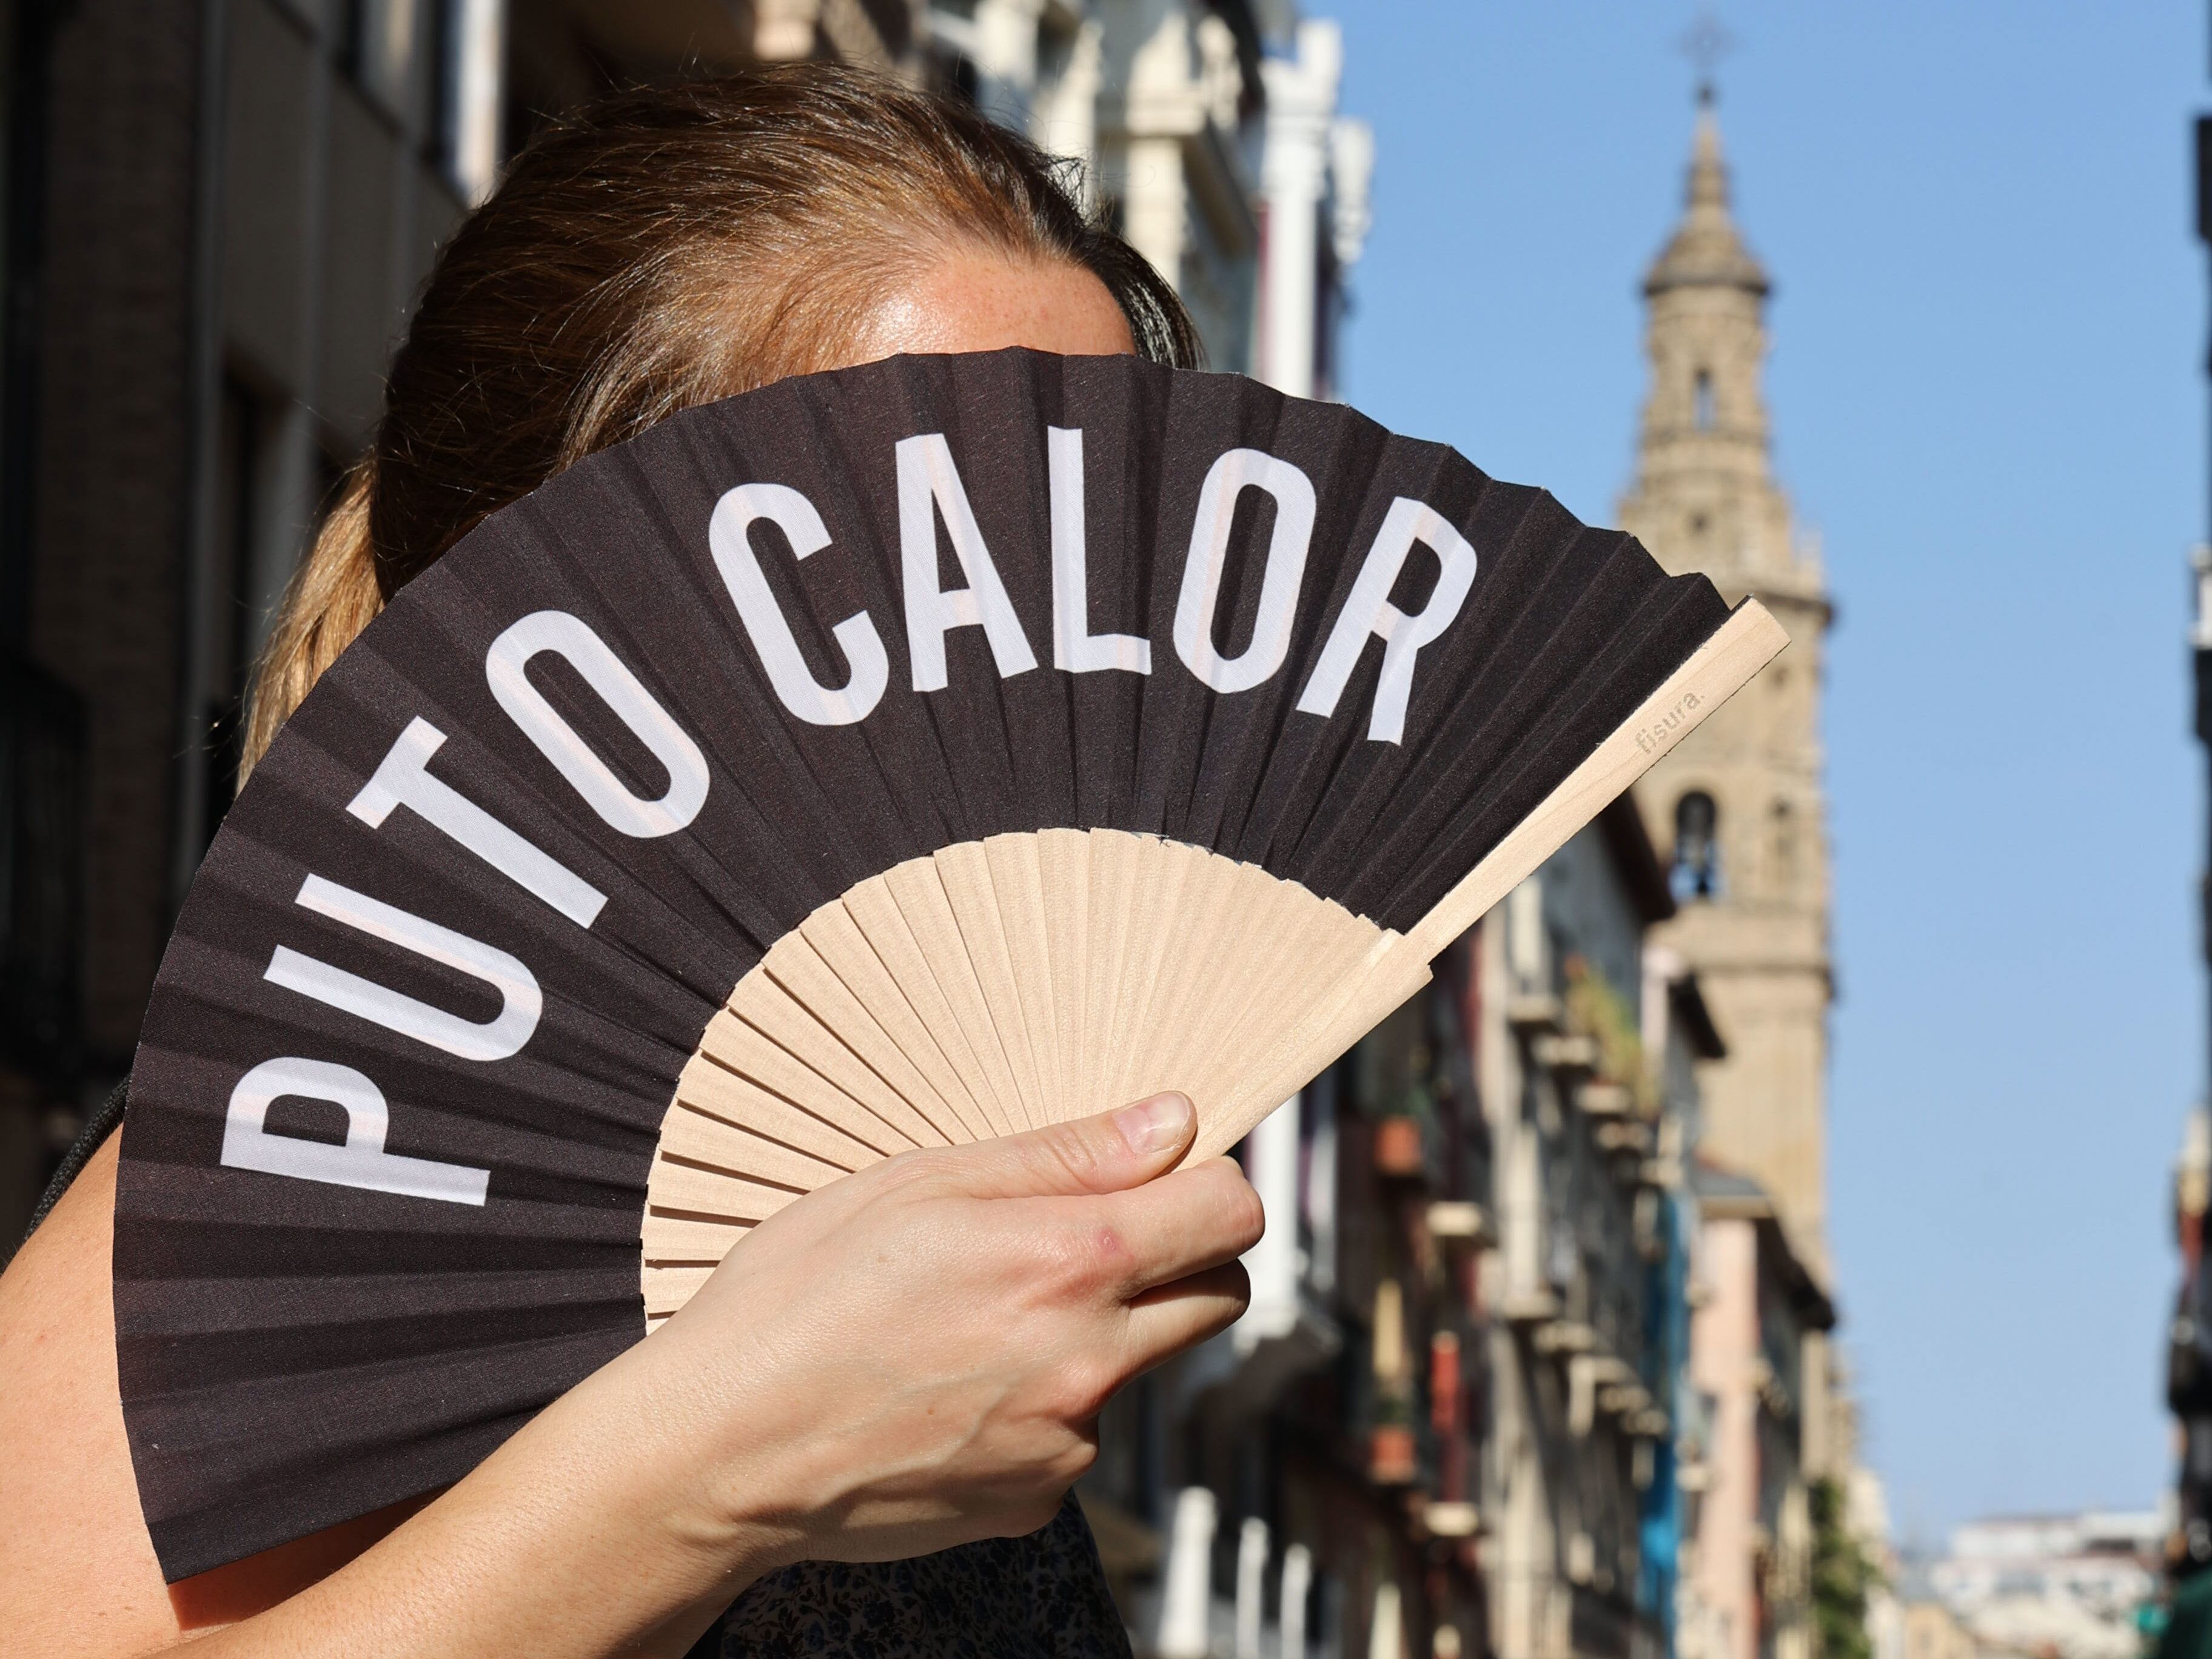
x: 1740, y: 802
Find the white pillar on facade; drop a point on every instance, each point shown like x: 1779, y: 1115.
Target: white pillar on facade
x: 1064, y: 116
x: 784, y: 30
x: 1271, y: 1162
x: 1293, y: 179
x: 1186, y: 1599
x: 1297, y: 1584
x: 1386, y: 1633
x: 1153, y: 58
x: 1251, y: 1580
x: 1004, y: 52
x: 480, y: 53
x: 1351, y: 178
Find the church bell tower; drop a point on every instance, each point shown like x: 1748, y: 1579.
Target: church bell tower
x: 1740, y: 802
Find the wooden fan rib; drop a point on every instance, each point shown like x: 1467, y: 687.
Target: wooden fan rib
x: 952, y: 966
x: 720, y: 1104
x: 1230, y: 973
x: 906, y: 1098
x: 1355, y: 1009
x: 846, y: 951
x: 1064, y: 869
x: 1113, y: 862
x: 865, y: 1106
x: 965, y: 877
x: 703, y: 1186
x: 671, y: 1238
x: 1018, y: 883
x: 1160, y: 877
x: 740, y: 1043
x: 667, y: 1289
x: 1190, y: 981
x: 1219, y: 984
x: 1324, y: 946
x: 905, y: 949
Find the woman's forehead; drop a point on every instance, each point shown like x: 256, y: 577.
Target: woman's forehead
x: 984, y: 301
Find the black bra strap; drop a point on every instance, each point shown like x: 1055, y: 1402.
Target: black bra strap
x: 101, y: 1124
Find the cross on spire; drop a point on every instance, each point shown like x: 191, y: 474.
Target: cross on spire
x: 1704, y: 43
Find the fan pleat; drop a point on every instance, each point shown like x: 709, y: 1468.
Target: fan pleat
x: 963, y: 875
x: 943, y: 960
x: 1538, y: 650
x: 713, y: 1175
x: 1605, y: 692
x: 1016, y: 873
x: 1064, y: 869
x: 853, y: 1095
x: 834, y: 934
x: 822, y: 1118
x: 786, y: 1144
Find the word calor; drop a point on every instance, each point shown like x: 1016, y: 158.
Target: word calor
x: 929, y: 486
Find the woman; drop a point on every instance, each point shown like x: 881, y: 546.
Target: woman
x: 910, y: 1359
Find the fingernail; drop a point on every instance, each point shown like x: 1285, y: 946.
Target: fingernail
x: 1153, y: 1126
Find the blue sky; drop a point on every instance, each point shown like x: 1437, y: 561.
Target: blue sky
x: 1986, y: 390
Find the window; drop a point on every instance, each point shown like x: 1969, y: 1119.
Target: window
x: 1697, y: 848
x: 1784, y: 826
x: 1701, y: 401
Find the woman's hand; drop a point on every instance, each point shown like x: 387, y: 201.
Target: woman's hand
x: 916, y: 1356
x: 912, y: 1357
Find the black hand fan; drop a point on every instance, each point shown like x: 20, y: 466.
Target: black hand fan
x: 887, y: 758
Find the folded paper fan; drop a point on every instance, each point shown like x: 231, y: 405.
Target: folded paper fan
x: 885, y: 759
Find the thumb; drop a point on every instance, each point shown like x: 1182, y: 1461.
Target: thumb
x: 1100, y: 1154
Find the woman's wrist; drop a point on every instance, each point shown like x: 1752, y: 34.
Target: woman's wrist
x: 654, y: 1467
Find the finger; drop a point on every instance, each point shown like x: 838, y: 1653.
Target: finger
x: 1100, y: 1154
x: 1180, y: 1224
x: 1163, y: 1322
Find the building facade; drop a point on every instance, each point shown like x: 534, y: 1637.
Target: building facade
x: 2188, y: 1333
x: 1740, y: 802
x: 1760, y: 1314
x: 220, y: 214
x: 1445, y: 1426
x: 218, y: 217
x: 2063, y: 1585
x: 1740, y: 805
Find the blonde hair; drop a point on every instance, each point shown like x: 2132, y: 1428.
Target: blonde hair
x: 658, y: 250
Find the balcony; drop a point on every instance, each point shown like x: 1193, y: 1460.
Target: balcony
x: 1451, y: 1519
x: 1533, y: 1013
x: 1566, y: 1336
x: 1564, y: 1052
x: 1600, y: 1099
x: 1633, y: 1138
x: 1400, y: 1148
x: 1456, y: 1221
x: 1538, y: 1308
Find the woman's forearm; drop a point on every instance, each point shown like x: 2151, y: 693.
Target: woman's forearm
x: 572, y: 1541
x: 908, y: 1360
